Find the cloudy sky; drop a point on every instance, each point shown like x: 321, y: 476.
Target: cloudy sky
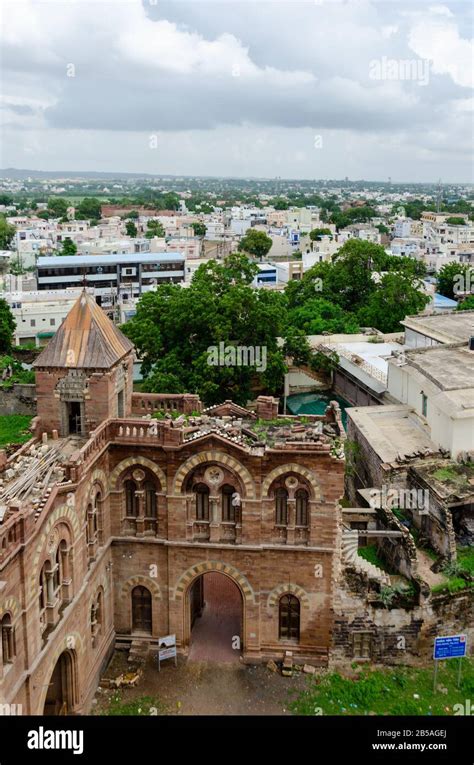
x: 313, y: 89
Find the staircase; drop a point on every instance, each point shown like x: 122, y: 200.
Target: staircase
x: 350, y: 556
x: 138, y: 651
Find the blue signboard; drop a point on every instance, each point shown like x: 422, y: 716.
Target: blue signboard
x: 451, y: 647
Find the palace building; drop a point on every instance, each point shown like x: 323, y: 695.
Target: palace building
x: 126, y: 508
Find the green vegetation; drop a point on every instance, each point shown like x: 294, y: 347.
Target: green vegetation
x: 174, y: 328
x: 255, y: 243
x: 455, y: 221
x: 466, y: 559
x: 17, y: 374
x: 351, y: 297
x: 68, y: 248
x: 399, y: 691
x: 467, y: 304
x: 7, y: 327
x: 143, y: 706
x: 199, y: 228
x: 7, y: 232
x: 57, y: 206
x: 14, y: 429
x: 454, y: 584
x: 154, y: 228
x: 131, y: 229
x: 89, y: 208
x: 371, y: 555
x: 453, y: 278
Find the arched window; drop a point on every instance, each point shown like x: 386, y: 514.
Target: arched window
x: 57, y: 571
x: 89, y: 513
x: 228, y: 510
x: 289, y: 618
x: 8, y: 641
x: 141, y: 610
x: 202, y: 502
x: 43, y: 585
x: 131, y: 499
x: 301, y: 507
x: 150, y: 499
x: 281, y: 507
x: 96, y: 617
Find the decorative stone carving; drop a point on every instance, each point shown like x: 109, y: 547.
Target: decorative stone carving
x: 138, y: 475
x: 214, y: 475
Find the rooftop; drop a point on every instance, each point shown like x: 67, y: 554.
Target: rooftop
x: 453, y: 327
x: 86, y: 339
x: 394, y: 432
x: 107, y: 260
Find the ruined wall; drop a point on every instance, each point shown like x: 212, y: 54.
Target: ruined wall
x: 397, y: 635
x: 20, y: 399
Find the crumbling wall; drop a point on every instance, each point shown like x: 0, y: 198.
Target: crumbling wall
x: 397, y: 635
x: 19, y: 399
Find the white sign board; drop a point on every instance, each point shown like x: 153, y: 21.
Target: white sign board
x: 167, y: 649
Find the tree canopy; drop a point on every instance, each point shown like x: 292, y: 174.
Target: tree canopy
x: 255, y: 243
x: 7, y: 232
x: 7, y: 327
x: 174, y: 328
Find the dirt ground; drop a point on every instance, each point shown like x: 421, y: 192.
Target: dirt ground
x: 205, y: 688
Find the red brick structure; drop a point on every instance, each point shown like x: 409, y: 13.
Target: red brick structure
x: 107, y: 539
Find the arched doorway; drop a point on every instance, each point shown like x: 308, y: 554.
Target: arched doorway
x: 141, y: 610
x: 61, y: 693
x: 216, y: 618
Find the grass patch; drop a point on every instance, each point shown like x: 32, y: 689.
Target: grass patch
x: 370, y: 554
x: 391, y: 691
x: 455, y: 584
x: 14, y: 429
x: 145, y: 706
x: 466, y: 559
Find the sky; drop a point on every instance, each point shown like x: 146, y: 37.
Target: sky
x: 315, y: 89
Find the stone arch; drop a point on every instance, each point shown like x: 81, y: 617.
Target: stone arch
x: 98, y: 476
x: 292, y: 467
x: 187, y: 578
x: 223, y: 459
x: 144, y: 581
x: 132, y: 462
x: 288, y: 589
x: 72, y: 642
x: 62, y: 514
x: 10, y: 606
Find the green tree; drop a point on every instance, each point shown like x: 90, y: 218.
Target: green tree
x: 199, y: 228
x: 131, y: 229
x: 296, y: 347
x: 88, y: 208
x: 68, y: 247
x: 7, y: 232
x: 319, y: 315
x: 280, y: 204
x: 467, y: 304
x: 256, y: 243
x: 57, y: 206
x: 455, y: 221
x: 7, y: 327
x: 452, y: 277
x: 317, y: 233
x: 6, y: 199
x: 154, y: 228
x: 176, y: 332
x: 395, y: 297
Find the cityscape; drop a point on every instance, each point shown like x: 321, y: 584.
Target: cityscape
x: 237, y: 371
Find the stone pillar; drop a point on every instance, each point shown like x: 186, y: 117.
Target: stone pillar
x: 140, y: 521
x: 214, y: 517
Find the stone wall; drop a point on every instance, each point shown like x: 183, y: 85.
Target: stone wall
x: 20, y: 399
x: 397, y: 635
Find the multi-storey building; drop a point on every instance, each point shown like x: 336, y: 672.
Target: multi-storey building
x: 132, y: 274
x: 111, y: 521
